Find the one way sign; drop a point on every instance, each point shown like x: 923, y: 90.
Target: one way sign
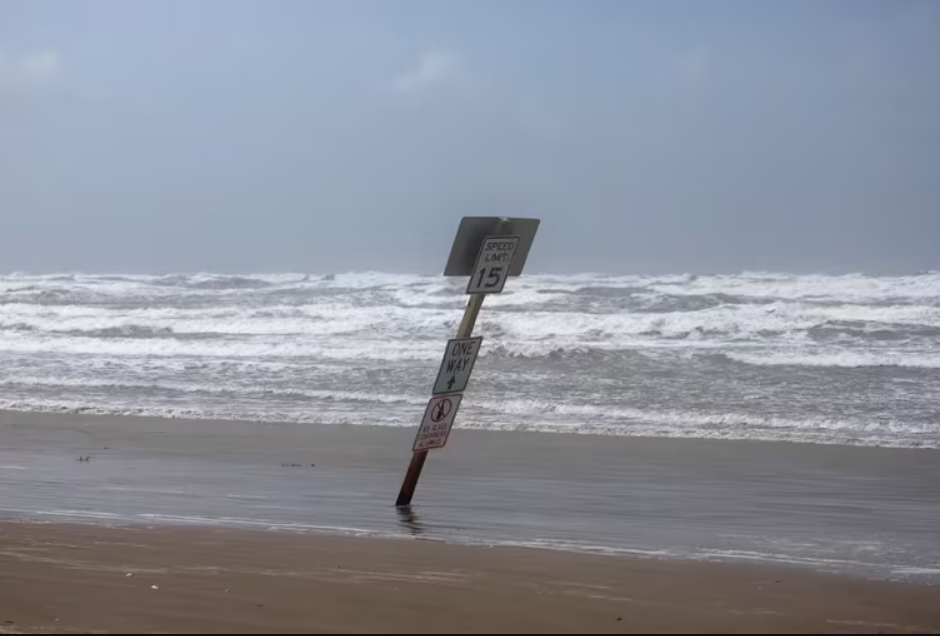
x: 459, y: 358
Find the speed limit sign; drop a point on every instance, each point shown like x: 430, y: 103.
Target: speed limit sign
x: 492, y: 268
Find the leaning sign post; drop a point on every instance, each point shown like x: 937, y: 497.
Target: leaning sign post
x: 489, y: 250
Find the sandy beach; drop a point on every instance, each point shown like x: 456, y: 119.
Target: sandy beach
x: 245, y: 526
x: 82, y: 578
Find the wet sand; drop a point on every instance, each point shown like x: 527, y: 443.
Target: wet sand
x: 866, y: 512
x: 58, y: 578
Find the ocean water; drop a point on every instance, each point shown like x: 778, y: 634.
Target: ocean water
x: 852, y: 360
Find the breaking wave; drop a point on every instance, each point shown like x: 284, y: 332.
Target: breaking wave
x: 750, y: 356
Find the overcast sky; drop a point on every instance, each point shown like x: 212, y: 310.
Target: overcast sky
x: 698, y: 136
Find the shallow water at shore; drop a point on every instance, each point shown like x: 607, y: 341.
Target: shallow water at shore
x: 860, y: 511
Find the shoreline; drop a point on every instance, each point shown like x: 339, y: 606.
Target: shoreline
x: 64, y: 578
x: 785, y: 505
x: 89, y: 416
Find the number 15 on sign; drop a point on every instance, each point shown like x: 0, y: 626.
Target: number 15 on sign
x: 493, y: 263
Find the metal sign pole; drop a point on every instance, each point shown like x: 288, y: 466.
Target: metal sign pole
x: 418, y: 459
